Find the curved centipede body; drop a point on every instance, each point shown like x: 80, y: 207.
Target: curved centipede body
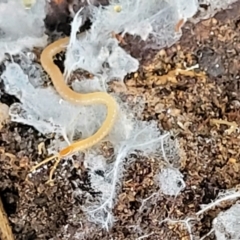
x: 76, y: 98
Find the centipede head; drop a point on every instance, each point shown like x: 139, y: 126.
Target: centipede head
x: 66, y: 151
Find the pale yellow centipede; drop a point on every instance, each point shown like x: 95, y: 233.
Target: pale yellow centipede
x: 76, y: 98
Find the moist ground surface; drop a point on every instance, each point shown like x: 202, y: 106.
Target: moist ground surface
x: 189, y: 104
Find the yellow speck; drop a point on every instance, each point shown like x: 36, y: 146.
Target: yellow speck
x: 117, y: 8
x: 232, y: 161
x: 28, y: 3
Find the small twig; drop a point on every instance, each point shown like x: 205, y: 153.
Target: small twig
x: 145, y: 236
x: 5, y: 229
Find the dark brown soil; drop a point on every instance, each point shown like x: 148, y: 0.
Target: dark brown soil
x: 210, y: 151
